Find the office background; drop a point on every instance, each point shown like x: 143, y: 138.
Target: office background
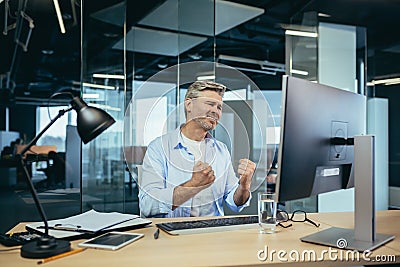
x: 135, y: 41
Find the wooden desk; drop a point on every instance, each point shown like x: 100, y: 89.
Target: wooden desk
x: 232, y: 248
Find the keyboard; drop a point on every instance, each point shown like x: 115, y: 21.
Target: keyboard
x: 17, y: 239
x: 209, y: 225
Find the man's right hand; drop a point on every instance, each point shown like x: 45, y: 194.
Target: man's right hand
x: 203, y: 175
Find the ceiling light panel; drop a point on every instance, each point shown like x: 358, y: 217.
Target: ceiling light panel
x: 179, y: 16
x: 108, y: 76
x: 301, y: 33
x: 158, y: 42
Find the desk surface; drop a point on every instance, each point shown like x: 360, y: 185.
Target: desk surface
x: 232, y: 248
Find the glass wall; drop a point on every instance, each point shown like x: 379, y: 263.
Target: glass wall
x: 104, y: 178
x: 157, y: 55
x: 143, y: 91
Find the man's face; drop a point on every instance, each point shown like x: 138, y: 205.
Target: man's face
x: 205, y: 110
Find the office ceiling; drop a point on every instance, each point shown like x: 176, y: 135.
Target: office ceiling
x: 47, y: 61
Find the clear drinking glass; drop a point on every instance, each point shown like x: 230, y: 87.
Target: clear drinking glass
x: 267, y: 206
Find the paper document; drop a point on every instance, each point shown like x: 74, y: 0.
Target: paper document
x: 89, y: 222
x: 92, y: 220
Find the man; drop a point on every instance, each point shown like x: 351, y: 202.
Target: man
x: 188, y: 172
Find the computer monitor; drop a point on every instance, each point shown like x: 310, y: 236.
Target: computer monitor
x: 324, y: 148
x: 38, y: 167
x: 310, y: 160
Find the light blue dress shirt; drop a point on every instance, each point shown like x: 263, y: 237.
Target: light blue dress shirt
x: 168, y: 163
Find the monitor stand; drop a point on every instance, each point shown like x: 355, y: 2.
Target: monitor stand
x: 363, y: 236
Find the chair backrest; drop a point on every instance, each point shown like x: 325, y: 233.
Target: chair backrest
x: 134, y: 154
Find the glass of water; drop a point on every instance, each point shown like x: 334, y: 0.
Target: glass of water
x: 267, y: 206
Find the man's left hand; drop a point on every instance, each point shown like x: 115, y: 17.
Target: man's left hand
x: 246, y: 170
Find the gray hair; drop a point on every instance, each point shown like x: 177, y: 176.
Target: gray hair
x: 198, y: 86
x: 195, y: 88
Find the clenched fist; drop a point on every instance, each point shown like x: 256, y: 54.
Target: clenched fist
x: 203, y: 175
x: 246, y: 170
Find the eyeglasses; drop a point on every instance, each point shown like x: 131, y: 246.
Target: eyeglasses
x: 297, y: 216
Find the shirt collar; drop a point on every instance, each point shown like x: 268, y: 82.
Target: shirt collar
x: 178, y: 141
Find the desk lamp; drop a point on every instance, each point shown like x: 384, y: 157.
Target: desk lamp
x: 91, y: 122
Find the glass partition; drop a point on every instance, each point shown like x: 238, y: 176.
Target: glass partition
x: 158, y: 52
x: 143, y: 45
x: 104, y: 176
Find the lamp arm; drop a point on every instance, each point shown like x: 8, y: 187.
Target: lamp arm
x: 26, y: 172
x: 34, y: 140
x: 35, y: 196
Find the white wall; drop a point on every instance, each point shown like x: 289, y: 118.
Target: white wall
x: 378, y: 125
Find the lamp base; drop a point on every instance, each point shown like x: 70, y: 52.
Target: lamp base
x: 44, y: 247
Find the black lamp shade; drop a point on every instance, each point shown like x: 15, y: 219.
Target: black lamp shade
x: 91, y: 121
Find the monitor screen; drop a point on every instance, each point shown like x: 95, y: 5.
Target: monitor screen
x: 310, y: 160
x: 39, y: 167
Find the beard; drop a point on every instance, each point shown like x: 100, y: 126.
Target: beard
x: 204, y: 122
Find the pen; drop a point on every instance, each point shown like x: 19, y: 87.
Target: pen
x: 157, y: 233
x: 67, y: 228
x: 62, y: 255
